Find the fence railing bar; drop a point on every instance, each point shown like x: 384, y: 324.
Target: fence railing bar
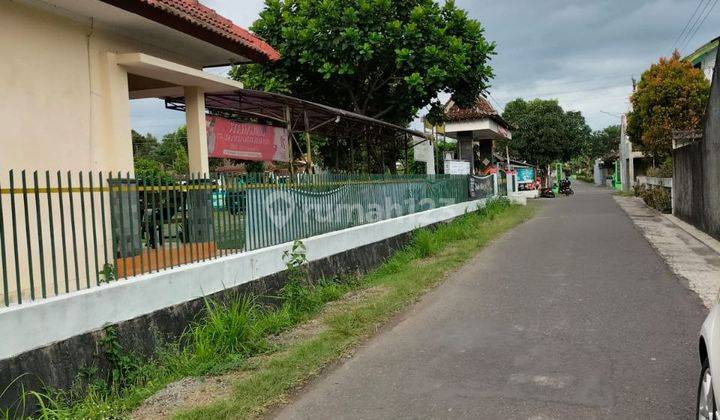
x: 48, y: 194
x: 207, y: 211
x: 63, y: 237
x: 187, y: 245
x: 156, y: 229
x: 120, y: 216
x: 131, y: 217
x: 83, y: 218
x: 28, y: 241
x: 94, y: 229
x: 3, y: 257
x: 13, y: 215
x: 161, y: 230
x: 169, y: 228
x: 41, y: 248
x: 74, y: 231
x: 107, y: 266
x: 145, y: 218
x: 142, y: 225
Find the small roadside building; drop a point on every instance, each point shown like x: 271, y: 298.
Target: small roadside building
x: 476, y: 129
x: 70, y: 69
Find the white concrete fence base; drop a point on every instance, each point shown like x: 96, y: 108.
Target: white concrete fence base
x: 38, y: 324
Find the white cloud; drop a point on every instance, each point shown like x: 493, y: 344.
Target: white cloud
x: 590, y: 48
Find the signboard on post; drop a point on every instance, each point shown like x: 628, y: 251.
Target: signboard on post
x: 525, y: 175
x: 247, y: 141
x: 457, y: 167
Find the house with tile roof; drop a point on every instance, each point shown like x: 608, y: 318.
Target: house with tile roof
x: 703, y: 58
x: 70, y: 69
x: 475, y: 129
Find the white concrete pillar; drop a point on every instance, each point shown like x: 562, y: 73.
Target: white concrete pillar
x: 110, y: 139
x: 495, y: 184
x: 196, y: 130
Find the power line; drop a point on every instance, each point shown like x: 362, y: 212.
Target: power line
x: 573, y: 82
x: 694, y: 23
x: 550, y: 94
x: 697, y: 28
x: 496, y: 101
x: 687, y: 25
x: 567, y: 92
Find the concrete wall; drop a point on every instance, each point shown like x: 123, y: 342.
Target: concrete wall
x: 688, y: 202
x: 65, y: 105
x: 696, y: 171
x: 64, y: 102
x: 655, y: 181
x: 159, y: 306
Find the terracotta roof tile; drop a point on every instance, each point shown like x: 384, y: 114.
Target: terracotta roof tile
x: 481, y: 109
x: 201, y: 18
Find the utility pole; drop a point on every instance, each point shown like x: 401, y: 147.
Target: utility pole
x: 308, y: 159
x: 288, y: 120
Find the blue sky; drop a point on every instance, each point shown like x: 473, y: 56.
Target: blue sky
x: 583, y: 52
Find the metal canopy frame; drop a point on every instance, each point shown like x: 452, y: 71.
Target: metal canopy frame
x: 305, y: 116
x: 298, y: 116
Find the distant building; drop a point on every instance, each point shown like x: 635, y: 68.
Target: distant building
x: 632, y: 163
x: 704, y: 58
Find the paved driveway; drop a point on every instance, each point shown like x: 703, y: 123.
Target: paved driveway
x: 571, y: 315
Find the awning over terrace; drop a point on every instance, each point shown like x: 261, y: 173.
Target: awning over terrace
x: 304, y: 116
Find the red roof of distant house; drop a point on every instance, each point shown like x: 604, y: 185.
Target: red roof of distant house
x: 481, y: 109
x: 202, y: 22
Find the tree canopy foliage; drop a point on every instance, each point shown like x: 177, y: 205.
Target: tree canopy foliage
x: 159, y: 160
x: 544, y: 132
x: 671, y: 95
x: 602, y: 143
x: 381, y: 58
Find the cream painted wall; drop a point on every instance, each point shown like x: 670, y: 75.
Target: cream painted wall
x: 64, y: 102
x: 64, y: 105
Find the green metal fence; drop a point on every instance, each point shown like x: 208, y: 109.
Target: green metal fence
x: 316, y: 204
x: 67, y: 231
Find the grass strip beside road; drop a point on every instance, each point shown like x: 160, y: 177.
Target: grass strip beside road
x: 436, y: 251
x: 239, y: 338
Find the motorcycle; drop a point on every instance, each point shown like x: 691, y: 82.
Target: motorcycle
x: 565, y: 188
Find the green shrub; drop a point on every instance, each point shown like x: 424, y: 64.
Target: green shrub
x: 665, y: 170
x: 227, y: 329
x: 655, y: 197
x: 586, y: 178
x: 424, y: 243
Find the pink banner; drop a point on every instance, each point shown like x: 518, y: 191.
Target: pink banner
x: 246, y: 141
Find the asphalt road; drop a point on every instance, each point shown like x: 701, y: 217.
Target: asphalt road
x: 571, y: 315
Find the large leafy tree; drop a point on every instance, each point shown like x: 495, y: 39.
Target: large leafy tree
x: 160, y: 159
x: 381, y: 58
x: 544, y: 132
x: 602, y: 143
x: 670, y: 96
